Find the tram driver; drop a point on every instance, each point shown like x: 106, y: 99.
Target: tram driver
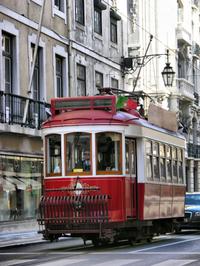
x: 85, y: 163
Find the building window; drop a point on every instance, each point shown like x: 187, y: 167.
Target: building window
x: 114, y: 17
x: 81, y: 80
x: 113, y: 30
x: 114, y: 83
x: 79, y: 11
x: 59, y: 76
x: 20, y: 187
x: 59, y: 9
x: 7, y: 61
x: 36, y: 74
x: 98, y: 80
x: 97, y: 20
x: 59, y: 4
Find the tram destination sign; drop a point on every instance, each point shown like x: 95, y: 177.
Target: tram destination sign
x: 72, y: 104
x: 90, y: 102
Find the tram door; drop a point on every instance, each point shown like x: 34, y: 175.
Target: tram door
x: 130, y: 183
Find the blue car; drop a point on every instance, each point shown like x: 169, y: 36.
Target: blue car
x: 192, y: 212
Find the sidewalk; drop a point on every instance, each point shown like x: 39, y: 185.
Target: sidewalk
x: 19, y: 233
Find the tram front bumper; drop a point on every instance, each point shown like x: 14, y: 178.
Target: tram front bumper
x: 73, y: 214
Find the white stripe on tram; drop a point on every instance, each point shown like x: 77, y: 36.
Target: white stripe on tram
x: 174, y: 262
x: 117, y: 262
x: 14, y: 262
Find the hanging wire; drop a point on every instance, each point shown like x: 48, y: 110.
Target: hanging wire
x: 149, y: 33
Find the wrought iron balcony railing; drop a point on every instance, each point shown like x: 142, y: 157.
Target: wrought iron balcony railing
x: 12, y: 110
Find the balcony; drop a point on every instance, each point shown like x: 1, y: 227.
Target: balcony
x: 195, y: 4
x: 186, y: 89
x: 193, y: 150
x: 182, y: 35
x: 12, y: 111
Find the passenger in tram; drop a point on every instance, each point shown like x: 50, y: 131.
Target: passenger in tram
x: 57, y: 168
x: 85, y: 163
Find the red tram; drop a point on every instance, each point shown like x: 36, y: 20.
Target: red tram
x: 109, y: 174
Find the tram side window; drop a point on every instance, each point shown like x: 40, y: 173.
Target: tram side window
x: 78, y: 153
x: 130, y: 157
x: 148, y: 148
x: 180, y: 166
x: 169, y: 163
x: 162, y: 162
x: 156, y: 174
x: 175, y: 165
x: 108, y: 152
x: 53, y: 152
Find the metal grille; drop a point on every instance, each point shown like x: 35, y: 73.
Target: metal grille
x: 73, y: 209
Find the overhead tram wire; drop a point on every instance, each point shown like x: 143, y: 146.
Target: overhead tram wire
x: 146, y: 31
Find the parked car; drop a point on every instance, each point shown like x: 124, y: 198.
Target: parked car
x: 192, y: 212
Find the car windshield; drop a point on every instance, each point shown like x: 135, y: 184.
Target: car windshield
x: 192, y: 199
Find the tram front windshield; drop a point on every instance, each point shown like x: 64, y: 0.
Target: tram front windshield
x: 80, y: 153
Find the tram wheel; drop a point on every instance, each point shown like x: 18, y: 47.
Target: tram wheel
x: 52, y: 238
x: 177, y: 230
x: 99, y: 242
x: 149, y: 239
x: 132, y: 241
x: 96, y: 242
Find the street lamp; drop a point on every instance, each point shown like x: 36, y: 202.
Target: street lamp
x: 131, y: 64
x: 168, y: 73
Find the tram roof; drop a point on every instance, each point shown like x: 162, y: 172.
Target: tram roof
x: 101, y: 116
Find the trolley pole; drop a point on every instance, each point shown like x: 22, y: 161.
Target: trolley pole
x: 34, y: 60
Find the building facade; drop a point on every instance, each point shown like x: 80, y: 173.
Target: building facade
x: 175, y: 26
x: 48, y: 49
x: 53, y: 48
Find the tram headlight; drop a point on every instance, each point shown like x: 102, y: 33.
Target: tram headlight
x: 78, y: 205
x: 197, y: 214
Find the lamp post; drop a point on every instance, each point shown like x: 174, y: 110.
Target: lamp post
x: 131, y: 64
x: 168, y: 73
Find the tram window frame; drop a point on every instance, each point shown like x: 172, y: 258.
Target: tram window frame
x: 180, y: 165
x: 130, y: 156
x: 174, y: 165
x: 53, y: 161
x: 149, y: 159
x: 156, y: 161
x: 79, y: 153
x: 168, y: 163
x: 162, y: 165
x: 106, y: 137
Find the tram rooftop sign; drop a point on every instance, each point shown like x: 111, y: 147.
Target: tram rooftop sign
x: 59, y: 105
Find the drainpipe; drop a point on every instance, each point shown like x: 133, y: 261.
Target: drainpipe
x: 34, y: 60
